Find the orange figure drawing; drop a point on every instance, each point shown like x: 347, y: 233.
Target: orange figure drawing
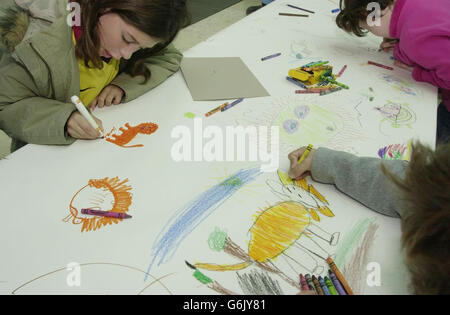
x: 130, y: 133
x: 108, y: 194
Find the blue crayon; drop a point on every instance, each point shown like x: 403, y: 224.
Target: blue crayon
x: 310, y: 64
x: 297, y: 82
x: 335, y: 11
x: 232, y: 104
x: 336, y: 283
x: 324, y: 286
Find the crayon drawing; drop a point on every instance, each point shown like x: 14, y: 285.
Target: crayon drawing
x: 395, y: 115
x: 258, y: 283
x: 188, y: 218
x: 107, y: 194
x: 354, y: 251
x: 283, y: 236
x: 400, y: 85
x: 299, y: 50
x: 396, y: 152
x: 98, y: 277
x: 302, y: 120
x: 129, y: 133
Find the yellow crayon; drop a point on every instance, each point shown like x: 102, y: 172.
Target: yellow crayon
x: 305, y: 154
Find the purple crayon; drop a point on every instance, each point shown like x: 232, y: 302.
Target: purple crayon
x: 232, y: 104
x: 109, y: 214
x: 271, y: 56
x: 336, y: 283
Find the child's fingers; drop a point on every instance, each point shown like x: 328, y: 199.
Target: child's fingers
x: 294, y: 156
x: 117, y: 99
x: 298, y: 171
x: 93, y: 104
x: 109, y: 99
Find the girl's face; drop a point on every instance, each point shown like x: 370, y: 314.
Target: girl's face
x: 384, y: 25
x: 119, y: 39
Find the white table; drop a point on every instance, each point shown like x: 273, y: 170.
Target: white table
x: 39, y: 182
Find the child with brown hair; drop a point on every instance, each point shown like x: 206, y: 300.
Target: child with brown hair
x: 419, y: 32
x: 417, y: 192
x: 105, y: 51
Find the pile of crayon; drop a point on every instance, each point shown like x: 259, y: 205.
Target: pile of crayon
x: 316, y: 77
x: 334, y: 284
x: 328, y: 285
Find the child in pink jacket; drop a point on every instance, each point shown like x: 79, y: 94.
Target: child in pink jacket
x: 419, y: 33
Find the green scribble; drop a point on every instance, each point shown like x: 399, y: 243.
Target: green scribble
x: 233, y: 182
x: 217, y: 240
x: 320, y: 125
x: 189, y: 115
x: 351, y: 241
x: 201, y: 277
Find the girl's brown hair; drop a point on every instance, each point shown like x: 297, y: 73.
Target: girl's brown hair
x: 426, y: 218
x: 157, y: 18
x: 354, y: 11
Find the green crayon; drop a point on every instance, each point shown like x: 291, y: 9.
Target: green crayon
x: 330, y: 286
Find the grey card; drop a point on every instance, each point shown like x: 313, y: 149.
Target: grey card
x: 220, y: 79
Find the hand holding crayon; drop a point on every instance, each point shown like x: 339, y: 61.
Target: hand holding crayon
x: 300, y: 170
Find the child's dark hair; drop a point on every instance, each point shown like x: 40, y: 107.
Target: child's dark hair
x: 426, y: 218
x: 157, y: 18
x: 354, y: 11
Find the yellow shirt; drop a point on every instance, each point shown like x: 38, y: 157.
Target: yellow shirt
x: 94, y: 80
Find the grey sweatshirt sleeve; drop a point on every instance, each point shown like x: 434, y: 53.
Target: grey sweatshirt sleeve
x: 360, y: 178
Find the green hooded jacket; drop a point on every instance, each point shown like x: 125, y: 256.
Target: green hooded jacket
x: 39, y: 72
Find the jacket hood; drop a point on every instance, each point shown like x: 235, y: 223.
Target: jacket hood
x: 26, y: 17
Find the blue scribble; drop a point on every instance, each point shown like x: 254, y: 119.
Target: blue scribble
x: 188, y: 218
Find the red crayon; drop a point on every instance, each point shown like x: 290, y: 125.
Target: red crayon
x: 108, y: 214
x: 304, y: 284
x: 342, y: 71
x: 379, y: 65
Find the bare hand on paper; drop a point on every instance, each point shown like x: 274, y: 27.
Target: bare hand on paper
x: 111, y: 94
x: 403, y: 65
x: 78, y: 127
x: 388, y: 44
x: 304, y: 169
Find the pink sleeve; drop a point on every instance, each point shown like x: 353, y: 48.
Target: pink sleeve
x: 432, y: 76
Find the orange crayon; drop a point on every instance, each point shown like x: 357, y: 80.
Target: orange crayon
x: 339, y: 276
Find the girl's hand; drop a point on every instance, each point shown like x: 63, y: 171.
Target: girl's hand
x: 78, y: 127
x: 300, y: 171
x: 403, y: 66
x: 388, y: 44
x: 111, y: 94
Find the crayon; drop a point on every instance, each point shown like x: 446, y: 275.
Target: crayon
x: 297, y: 82
x: 342, y: 71
x: 323, y: 286
x: 215, y: 110
x: 271, y: 56
x: 320, y: 63
x: 339, y: 276
x: 310, y: 282
x: 85, y: 113
x: 379, y: 65
x: 329, y: 91
x: 293, y: 6
x: 305, y: 154
x: 337, y: 83
x: 108, y: 214
x: 232, y: 104
x: 308, y: 91
x: 330, y: 286
x: 335, y: 11
x: 311, y: 64
x: 317, y: 286
x: 292, y: 14
x: 303, y: 283
x: 336, y: 283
